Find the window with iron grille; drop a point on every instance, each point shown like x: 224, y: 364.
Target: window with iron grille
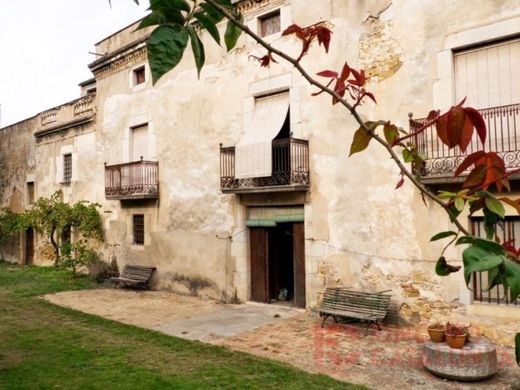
x: 67, y: 168
x: 138, y: 227
x: 270, y: 23
x: 507, y: 230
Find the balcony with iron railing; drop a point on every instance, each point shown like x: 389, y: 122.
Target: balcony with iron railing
x: 133, y: 180
x: 290, y: 169
x: 503, y: 137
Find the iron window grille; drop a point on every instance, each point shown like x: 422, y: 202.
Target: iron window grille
x: 67, y: 168
x: 138, y: 227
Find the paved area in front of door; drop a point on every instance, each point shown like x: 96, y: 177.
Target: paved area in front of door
x: 176, y: 315
x: 386, y: 359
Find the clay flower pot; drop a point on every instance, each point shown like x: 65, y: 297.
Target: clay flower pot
x: 456, y: 341
x: 436, y: 335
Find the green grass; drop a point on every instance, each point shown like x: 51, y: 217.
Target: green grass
x: 43, y: 346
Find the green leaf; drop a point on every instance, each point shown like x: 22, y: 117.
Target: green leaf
x: 225, y: 3
x: 442, y: 235
x: 232, y: 34
x: 407, y: 156
x: 459, y: 204
x: 166, y: 46
x: 477, y: 259
x: 465, y: 240
x: 360, y: 141
x: 495, y: 206
x: 489, y: 245
x: 446, y: 194
x: 149, y: 20
x: 512, y: 278
x: 209, y: 24
x: 517, y: 348
x: 176, y: 5
x: 442, y: 268
x: 198, y: 49
x: 390, y: 132
x: 213, y: 13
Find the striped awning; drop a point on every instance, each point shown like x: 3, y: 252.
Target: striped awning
x: 253, y: 153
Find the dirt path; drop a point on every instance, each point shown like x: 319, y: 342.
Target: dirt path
x: 387, y: 359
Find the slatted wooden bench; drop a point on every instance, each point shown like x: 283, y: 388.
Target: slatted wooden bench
x: 134, y: 276
x: 364, y: 306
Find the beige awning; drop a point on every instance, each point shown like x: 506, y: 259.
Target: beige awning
x: 253, y: 154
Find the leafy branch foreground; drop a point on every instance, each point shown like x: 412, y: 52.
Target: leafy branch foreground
x: 175, y: 21
x: 45, y: 347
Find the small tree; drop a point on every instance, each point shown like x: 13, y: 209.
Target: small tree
x: 53, y: 217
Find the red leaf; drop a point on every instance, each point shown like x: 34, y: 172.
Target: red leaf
x: 371, y: 96
x: 328, y: 73
x: 323, y: 34
x: 293, y: 28
x: 455, y: 120
x: 400, y: 183
x: 462, y: 102
x: 358, y: 76
x: 345, y: 72
x: 433, y: 114
x: 475, y: 177
x: 442, y: 129
x: 478, y: 122
x: 468, y: 161
x: 466, y: 134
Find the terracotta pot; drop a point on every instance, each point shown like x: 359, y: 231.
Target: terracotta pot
x: 456, y: 341
x: 436, y: 335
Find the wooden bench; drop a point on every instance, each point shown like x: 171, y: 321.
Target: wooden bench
x: 135, y: 276
x: 364, y: 306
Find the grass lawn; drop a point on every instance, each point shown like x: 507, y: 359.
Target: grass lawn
x: 43, y: 346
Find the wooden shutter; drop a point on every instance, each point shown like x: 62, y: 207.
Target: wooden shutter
x: 139, y: 143
x: 299, y: 264
x: 259, y: 270
x: 488, y: 76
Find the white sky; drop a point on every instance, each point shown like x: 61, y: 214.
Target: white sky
x: 44, y: 49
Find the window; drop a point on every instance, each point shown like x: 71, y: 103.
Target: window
x: 139, y: 142
x: 138, y: 228
x: 139, y: 75
x: 30, y: 192
x: 508, y: 230
x: 270, y: 23
x: 67, y: 168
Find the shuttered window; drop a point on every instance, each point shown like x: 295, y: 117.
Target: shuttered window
x: 138, y: 228
x: 488, y: 75
x: 270, y: 23
x: 139, y: 143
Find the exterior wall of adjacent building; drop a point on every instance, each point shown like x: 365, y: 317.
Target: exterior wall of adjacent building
x: 359, y: 231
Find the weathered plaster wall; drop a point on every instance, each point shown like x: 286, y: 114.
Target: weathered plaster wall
x: 359, y: 231
x: 16, y: 163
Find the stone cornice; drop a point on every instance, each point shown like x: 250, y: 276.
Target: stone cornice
x: 120, y: 59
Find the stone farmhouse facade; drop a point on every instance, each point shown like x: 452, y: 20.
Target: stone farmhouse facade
x: 238, y: 185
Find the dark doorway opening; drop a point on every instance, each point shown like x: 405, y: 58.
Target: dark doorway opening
x: 29, y: 246
x: 278, y: 264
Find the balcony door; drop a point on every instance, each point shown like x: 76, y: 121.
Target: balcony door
x: 132, y: 175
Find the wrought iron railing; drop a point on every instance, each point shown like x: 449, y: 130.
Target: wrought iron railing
x: 134, y: 180
x: 290, y: 167
x: 503, y: 136
x: 507, y: 230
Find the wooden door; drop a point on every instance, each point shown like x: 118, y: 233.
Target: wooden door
x: 259, y: 268
x: 299, y: 264
x: 29, y: 246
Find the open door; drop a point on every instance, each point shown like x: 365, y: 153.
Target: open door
x: 259, y: 265
x: 29, y: 246
x: 299, y: 264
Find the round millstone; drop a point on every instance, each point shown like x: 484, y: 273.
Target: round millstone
x: 477, y: 360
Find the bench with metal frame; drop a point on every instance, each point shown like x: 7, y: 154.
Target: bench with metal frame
x: 341, y: 302
x: 135, y: 276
